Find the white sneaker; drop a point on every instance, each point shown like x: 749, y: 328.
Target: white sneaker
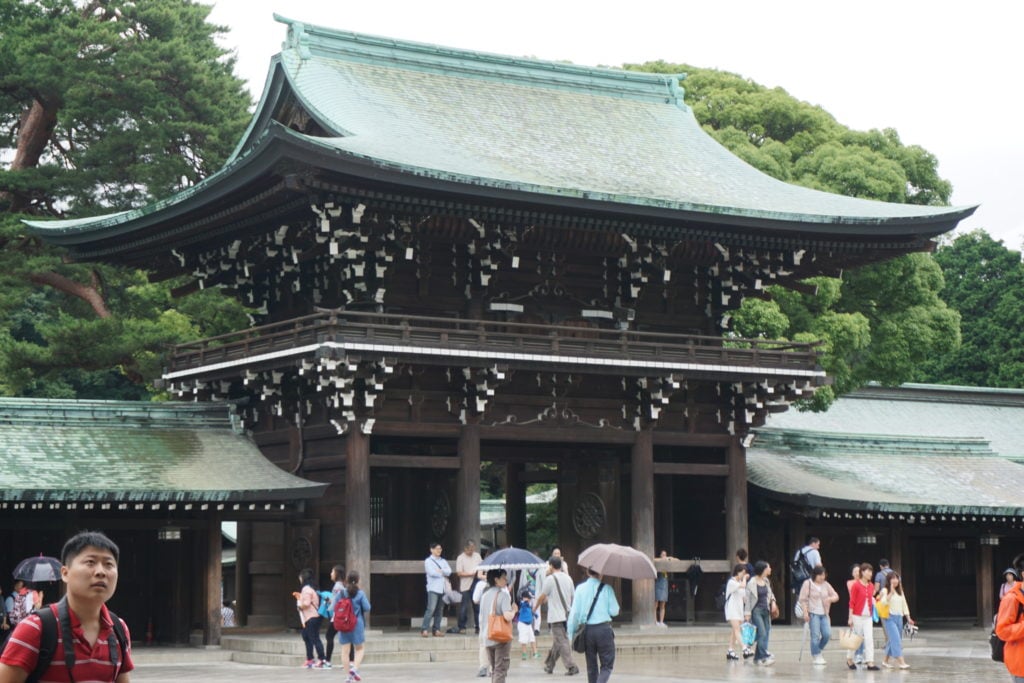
x: 819, y: 660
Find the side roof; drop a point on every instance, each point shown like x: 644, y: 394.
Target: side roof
x: 520, y: 129
x: 123, y: 451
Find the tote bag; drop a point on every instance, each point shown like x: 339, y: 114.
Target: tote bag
x: 499, y: 629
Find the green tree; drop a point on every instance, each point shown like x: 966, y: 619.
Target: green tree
x: 104, y: 105
x: 985, y: 282
x: 881, y: 322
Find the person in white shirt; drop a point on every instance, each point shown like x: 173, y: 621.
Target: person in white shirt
x: 465, y: 568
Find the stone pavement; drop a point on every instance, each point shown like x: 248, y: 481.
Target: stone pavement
x: 950, y: 656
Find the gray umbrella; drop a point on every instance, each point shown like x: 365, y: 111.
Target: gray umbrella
x: 610, y: 559
x: 38, y: 569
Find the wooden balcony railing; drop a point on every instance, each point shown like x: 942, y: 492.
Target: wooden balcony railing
x: 408, y: 334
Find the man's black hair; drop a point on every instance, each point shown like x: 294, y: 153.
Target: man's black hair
x: 883, y: 562
x: 83, y: 539
x: 555, y: 562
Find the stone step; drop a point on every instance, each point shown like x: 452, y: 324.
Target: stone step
x: 286, y: 649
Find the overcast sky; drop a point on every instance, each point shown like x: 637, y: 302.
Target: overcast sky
x: 946, y: 75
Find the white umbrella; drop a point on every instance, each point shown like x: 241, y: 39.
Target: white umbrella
x: 611, y: 559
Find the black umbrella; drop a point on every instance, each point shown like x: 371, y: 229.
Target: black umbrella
x: 38, y: 569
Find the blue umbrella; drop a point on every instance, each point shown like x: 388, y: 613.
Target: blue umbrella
x: 38, y: 569
x: 511, y: 558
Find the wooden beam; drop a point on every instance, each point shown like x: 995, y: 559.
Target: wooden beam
x: 467, y: 492
x: 432, y: 462
x: 539, y: 477
x: 691, y: 469
x: 357, y: 504
x: 680, y: 566
x: 211, y: 589
x: 398, y: 567
x: 642, y: 502
x: 736, y: 498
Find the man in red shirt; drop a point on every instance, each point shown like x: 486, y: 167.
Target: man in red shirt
x: 90, y: 573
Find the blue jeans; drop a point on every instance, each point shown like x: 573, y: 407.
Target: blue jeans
x: 434, y: 608
x: 893, y: 626
x: 821, y: 633
x: 763, y: 621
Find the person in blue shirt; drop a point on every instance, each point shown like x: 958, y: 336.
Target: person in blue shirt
x: 595, y: 605
x: 436, y: 568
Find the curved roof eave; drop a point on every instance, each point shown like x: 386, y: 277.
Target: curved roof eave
x: 276, y: 142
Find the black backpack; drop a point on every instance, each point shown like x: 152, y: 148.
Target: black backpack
x: 48, y: 640
x: 801, y: 569
x: 995, y: 642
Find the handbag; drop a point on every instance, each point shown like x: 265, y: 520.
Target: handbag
x: 882, y: 608
x: 499, y: 629
x: 748, y: 632
x: 850, y: 640
x: 579, y: 640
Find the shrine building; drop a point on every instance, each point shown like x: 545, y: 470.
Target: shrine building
x: 455, y: 257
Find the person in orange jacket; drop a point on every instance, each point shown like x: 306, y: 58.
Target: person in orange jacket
x: 1010, y: 626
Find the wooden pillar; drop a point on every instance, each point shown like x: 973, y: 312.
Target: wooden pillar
x: 642, y: 501
x: 211, y: 588
x: 468, y: 486
x: 243, y: 580
x: 736, y: 499
x: 357, y: 504
x: 985, y: 586
x: 515, y: 505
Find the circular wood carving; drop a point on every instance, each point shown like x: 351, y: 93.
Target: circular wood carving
x: 302, y: 553
x: 588, y: 517
x: 440, y: 514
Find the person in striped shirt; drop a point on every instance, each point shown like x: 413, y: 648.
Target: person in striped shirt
x: 89, y: 572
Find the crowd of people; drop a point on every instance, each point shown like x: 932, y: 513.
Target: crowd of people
x: 871, y: 598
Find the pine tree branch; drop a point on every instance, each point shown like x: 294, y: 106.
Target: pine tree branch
x: 90, y: 294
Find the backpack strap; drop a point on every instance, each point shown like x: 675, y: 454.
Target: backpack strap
x: 117, y: 641
x: 47, y: 644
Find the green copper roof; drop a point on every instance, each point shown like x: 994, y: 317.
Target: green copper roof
x: 994, y: 415
x: 96, y: 451
x: 543, y: 131
x: 885, y: 473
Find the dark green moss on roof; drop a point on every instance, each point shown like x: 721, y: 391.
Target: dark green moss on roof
x: 134, y: 452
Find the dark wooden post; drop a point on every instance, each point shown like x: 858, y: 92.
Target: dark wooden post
x: 357, y: 504
x: 736, y: 499
x: 642, y: 496
x: 515, y: 505
x: 243, y: 580
x: 986, y: 590
x: 468, y: 486
x: 211, y: 590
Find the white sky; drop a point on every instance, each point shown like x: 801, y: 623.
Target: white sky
x: 946, y: 75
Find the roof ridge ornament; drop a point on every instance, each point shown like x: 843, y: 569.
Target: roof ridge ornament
x: 297, y: 38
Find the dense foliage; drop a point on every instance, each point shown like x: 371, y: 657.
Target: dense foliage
x: 103, y: 106
x: 881, y: 322
x: 985, y: 282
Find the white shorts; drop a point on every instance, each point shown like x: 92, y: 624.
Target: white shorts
x: 526, y: 635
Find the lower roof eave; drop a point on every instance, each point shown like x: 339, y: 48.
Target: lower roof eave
x: 812, y: 501
x: 133, y: 497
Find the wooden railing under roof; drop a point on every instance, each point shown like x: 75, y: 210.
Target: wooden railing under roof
x: 461, y: 334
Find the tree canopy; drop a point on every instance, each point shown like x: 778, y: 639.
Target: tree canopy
x: 985, y: 282
x: 104, y: 105
x: 878, y: 323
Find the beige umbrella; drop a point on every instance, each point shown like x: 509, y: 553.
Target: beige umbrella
x: 611, y: 559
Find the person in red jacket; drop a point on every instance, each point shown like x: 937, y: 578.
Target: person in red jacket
x: 862, y: 593
x: 1010, y: 626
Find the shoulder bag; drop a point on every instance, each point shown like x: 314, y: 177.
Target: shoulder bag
x: 499, y: 629
x: 579, y: 641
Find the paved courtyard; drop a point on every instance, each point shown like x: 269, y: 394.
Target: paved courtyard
x: 954, y: 656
